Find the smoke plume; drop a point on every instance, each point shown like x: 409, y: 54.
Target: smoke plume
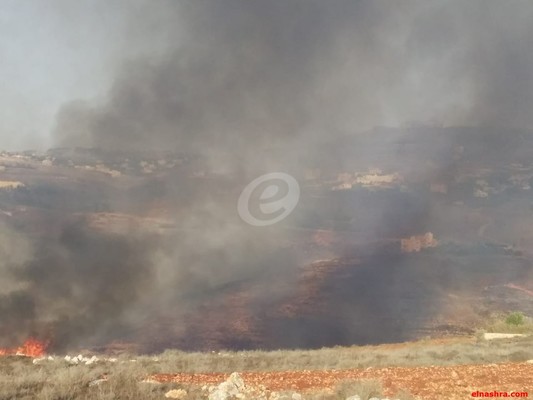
x: 251, y: 87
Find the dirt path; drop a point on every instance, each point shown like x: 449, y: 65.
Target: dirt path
x: 428, y: 383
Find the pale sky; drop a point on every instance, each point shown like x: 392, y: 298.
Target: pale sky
x: 52, y: 52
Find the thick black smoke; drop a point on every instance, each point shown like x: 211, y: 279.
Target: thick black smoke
x: 77, y: 286
x: 257, y: 86
x: 243, y: 75
x: 73, y: 283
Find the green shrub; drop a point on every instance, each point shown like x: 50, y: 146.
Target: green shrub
x: 515, y: 318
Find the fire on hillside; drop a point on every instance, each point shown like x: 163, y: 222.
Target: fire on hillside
x: 30, y: 348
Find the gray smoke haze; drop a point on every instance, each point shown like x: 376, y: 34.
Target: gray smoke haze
x: 244, y: 75
x: 76, y: 286
x: 77, y: 283
x: 253, y: 86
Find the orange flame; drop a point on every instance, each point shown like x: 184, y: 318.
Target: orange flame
x: 30, y: 348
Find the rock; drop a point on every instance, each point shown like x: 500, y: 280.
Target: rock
x: 529, y: 361
x: 151, y: 381
x: 218, y: 395
x: 91, y: 360
x: 492, y: 336
x: 41, y: 359
x: 176, y: 394
x: 296, y: 396
x: 97, y: 382
x: 230, y: 388
x: 455, y: 375
x: 278, y: 396
x: 354, y: 397
x: 235, y: 388
x: 79, y: 359
x: 72, y: 360
x: 236, y: 380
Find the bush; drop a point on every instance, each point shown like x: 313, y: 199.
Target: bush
x: 515, y: 318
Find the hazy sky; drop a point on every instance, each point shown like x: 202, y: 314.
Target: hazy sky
x: 368, y: 62
x: 52, y: 52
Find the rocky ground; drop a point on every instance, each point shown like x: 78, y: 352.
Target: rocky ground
x: 428, y: 383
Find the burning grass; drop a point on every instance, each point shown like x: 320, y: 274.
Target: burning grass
x: 30, y: 348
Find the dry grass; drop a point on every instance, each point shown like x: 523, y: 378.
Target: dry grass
x: 365, y: 389
x: 422, y: 353
x: 56, y: 380
x: 510, y: 323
